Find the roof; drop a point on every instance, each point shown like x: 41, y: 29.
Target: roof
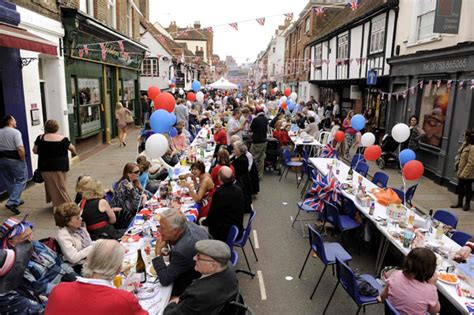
x: 339, y: 19
x: 188, y: 34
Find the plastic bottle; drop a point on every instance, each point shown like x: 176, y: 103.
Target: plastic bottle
x: 372, y: 208
x: 411, y: 216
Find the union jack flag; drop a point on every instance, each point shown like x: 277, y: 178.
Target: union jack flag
x: 321, y: 191
x: 353, y: 4
x: 234, y: 25
x: 261, y: 21
x: 289, y: 16
x: 319, y: 11
x: 329, y: 151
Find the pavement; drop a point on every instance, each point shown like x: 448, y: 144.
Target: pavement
x: 281, y: 249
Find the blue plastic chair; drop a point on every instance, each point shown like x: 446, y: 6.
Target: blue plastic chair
x: 242, y: 241
x: 380, y: 179
x: 408, y: 196
x: 461, y: 237
x: 348, y: 280
x: 326, y: 252
x: 306, y: 170
x: 390, y: 309
x: 342, y: 222
x: 311, y: 173
x: 446, y: 218
x: 288, y: 163
x: 232, y: 237
x: 234, y: 258
x: 357, y: 158
x: 362, y: 168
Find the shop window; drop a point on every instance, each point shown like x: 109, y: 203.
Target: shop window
x: 377, y: 35
x: 150, y: 67
x: 89, y: 105
x: 127, y: 94
x: 434, y: 105
x: 112, y: 13
x: 425, y: 19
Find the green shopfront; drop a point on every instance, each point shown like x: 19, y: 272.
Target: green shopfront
x: 102, y: 68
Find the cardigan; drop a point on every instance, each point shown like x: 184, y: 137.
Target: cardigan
x: 73, y: 246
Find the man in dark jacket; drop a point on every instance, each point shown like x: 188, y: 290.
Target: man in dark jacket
x: 217, y: 286
x: 227, y: 207
x: 259, y: 128
x: 182, y: 237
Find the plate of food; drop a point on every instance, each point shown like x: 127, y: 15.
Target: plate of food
x: 449, y: 278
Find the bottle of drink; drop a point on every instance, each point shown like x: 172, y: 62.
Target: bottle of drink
x: 350, y: 174
x: 372, y: 208
x: 429, y: 221
x: 411, y: 216
x: 140, y: 267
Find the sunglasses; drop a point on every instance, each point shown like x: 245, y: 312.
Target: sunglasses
x: 136, y: 172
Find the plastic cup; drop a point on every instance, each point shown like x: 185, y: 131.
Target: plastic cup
x: 407, y: 238
x: 118, y: 281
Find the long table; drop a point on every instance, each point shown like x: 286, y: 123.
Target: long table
x: 449, y: 291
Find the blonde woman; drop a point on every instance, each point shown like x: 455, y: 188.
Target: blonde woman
x: 121, y: 114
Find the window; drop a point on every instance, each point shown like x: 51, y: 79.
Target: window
x: 377, y: 35
x: 318, y: 55
x: 434, y: 105
x: 300, y: 33
x: 425, y: 19
x: 87, y: 6
x: 89, y: 105
x: 306, y: 59
x: 273, y: 69
x: 294, y: 37
x: 112, y: 13
x: 343, y: 46
x: 129, y: 19
x: 273, y: 49
x: 307, y: 25
x: 150, y: 67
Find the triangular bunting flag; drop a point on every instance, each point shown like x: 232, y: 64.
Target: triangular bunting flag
x: 472, y: 84
x: 234, y: 26
x: 122, y: 48
x: 289, y: 16
x: 261, y: 21
x: 103, y: 51
x: 461, y: 85
x: 86, y: 50
x: 353, y: 4
x: 319, y: 11
x: 81, y: 52
x: 210, y: 29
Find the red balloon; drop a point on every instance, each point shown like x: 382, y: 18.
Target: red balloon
x: 274, y: 92
x: 372, y: 152
x: 413, y: 170
x: 172, y: 85
x: 287, y: 92
x: 153, y: 91
x: 339, y: 137
x: 165, y: 101
x: 284, y: 105
x: 191, y: 96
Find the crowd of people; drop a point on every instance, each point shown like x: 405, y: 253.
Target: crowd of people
x: 85, y: 256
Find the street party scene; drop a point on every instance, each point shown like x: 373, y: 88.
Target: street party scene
x: 307, y: 158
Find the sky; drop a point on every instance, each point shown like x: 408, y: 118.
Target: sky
x: 244, y: 44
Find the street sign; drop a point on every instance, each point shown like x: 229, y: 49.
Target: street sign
x: 447, y: 16
x: 372, y: 77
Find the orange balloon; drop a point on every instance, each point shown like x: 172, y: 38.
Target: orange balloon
x: 165, y: 101
x: 284, y: 105
x: 413, y: 170
x: 339, y: 137
x: 287, y: 92
x: 372, y: 152
x: 153, y: 91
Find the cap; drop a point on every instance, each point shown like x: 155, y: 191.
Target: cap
x: 12, y: 265
x: 217, y: 250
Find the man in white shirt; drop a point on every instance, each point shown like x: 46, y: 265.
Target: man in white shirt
x: 335, y: 109
x: 235, y: 126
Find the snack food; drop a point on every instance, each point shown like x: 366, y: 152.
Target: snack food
x: 449, y: 278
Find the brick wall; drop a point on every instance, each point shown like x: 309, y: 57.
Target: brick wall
x: 46, y: 8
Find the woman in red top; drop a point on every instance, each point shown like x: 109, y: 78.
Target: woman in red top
x: 281, y: 134
x: 220, y: 136
x: 222, y: 160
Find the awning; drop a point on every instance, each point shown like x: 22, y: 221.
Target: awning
x: 15, y: 37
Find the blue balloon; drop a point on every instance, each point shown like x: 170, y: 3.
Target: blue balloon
x: 291, y: 104
x: 264, y: 86
x: 172, y: 119
x: 160, y: 121
x: 196, y: 86
x: 358, y: 122
x: 173, y: 132
x: 407, y: 155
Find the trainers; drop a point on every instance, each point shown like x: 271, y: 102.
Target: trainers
x: 13, y: 208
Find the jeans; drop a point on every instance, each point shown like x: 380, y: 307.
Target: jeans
x: 13, y: 173
x: 258, y: 152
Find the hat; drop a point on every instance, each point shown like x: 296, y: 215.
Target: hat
x: 12, y: 227
x: 12, y: 265
x: 217, y: 250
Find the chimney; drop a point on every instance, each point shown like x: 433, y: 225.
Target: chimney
x: 173, y: 28
x: 197, y: 24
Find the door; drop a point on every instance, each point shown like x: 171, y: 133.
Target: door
x: 43, y: 101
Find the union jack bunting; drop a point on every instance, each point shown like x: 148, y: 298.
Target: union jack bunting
x: 210, y: 29
x: 261, y: 21
x: 122, y: 48
x: 438, y: 84
x: 472, y: 84
x: 86, y: 50
x: 353, y: 4
x: 234, y: 26
x: 450, y: 82
x: 329, y: 151
x: 81, y: 52
x: 319, y: 11
x: 461, y: 85
x: 321, y: 192
x: 420, y: 84
x: 103, y: 51
x: 289, y: 16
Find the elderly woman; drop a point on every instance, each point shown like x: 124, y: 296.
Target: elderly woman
x: 223, y: 159
x: 203, y: 189
x: 128, y: 194
x: 121, y: 114
x: 94, y: 294
x: 73, y: 238
x: 45, y: 268
x: 220, y: 136
x: 98, y: 215
x: 281, y: 134
x: 53, y: 162
x: 241, y: 167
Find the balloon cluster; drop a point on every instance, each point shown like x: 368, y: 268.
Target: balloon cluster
x: 412, y: 169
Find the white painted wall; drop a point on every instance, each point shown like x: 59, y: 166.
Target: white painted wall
x: 406, y: 30
x: 332, y: 59
x: 354, y: 50
x: 277, y: 59
x: 53, y: 75
x: 389, y: 32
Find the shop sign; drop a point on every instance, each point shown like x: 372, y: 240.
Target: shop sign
x: 457, y: 64
x: 447, y: 16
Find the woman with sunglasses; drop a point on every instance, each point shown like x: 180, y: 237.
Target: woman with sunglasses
x: 128, y: 195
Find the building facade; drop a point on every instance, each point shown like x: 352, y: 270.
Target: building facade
x: 432, y: 77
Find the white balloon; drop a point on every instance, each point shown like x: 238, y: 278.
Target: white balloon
x: 200, y: 97
x: 156, y: 146
x: 400, y: 132
x: 264, y: 92
x: 367, y: 139
x: 181, y: 91
x: 294, y: 96
x: 283, y: 99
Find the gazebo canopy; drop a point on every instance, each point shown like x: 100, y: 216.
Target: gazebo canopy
x: 223, y: 84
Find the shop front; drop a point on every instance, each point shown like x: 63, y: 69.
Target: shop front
x: 437, y: 87
x: 102, y: 68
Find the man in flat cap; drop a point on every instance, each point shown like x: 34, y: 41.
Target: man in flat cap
x: 214, y: 289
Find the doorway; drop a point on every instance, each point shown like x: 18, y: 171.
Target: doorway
x: 43, y: 101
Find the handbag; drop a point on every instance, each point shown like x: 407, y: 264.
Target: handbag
x: 129, y: 118
x: 37, y: 178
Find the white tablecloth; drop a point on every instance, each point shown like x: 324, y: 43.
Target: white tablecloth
x: 449, y: 291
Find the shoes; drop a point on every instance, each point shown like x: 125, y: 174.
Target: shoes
x: 467, y: 206
x: 458, y: 205
x: 13, y: 208
x: 124, y: 144
x: 21, y: 202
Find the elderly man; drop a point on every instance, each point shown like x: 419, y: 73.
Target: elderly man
x: 227, y: 207
x: 216, y: 287
x: 236, y: 125
x: 259, y: 128
x: 95, y: 294
x: 181, y: 235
